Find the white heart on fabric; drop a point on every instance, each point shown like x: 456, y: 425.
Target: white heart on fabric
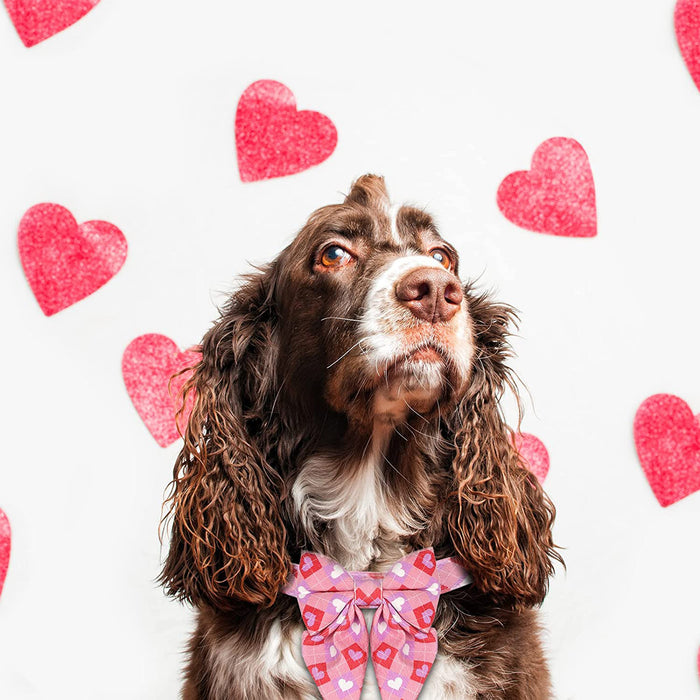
x: 337, y: 571
x: 398, y: 570
x: 338, y: 604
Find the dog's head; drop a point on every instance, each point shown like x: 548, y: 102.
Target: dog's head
x: 359, y: 326
x: 371, y: 313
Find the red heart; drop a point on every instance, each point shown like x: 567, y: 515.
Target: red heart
x: 556, y: 196
x: 687, y: 21
x: 667, y: 436
x: 273, y: 139
x: 65, y: 262
x: 148, y: 364
x: 534, y: 453
x: 36, y: 20
x: 5, y: 545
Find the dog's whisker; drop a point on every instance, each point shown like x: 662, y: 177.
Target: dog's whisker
x: 386, y: 459
x: 410, y: 408
x: 277, y: 395
x: 350, y: 349
x: 341, y: 318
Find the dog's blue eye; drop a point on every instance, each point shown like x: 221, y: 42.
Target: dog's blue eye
x: 442, y: 257
x: 335, y: 256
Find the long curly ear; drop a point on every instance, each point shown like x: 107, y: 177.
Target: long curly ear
x: 499, y: 518
x: 228, y: 540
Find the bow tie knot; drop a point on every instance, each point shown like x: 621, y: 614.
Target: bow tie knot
x: 403, y: 642
x: 369, y: 590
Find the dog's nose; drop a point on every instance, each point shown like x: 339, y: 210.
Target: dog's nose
x: 431, y: 294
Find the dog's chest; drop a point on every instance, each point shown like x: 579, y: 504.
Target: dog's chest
x: 348, y: 514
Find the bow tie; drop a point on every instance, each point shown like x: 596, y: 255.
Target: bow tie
x: 335, y: 643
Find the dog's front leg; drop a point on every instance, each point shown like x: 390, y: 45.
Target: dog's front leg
x: 251, y: 657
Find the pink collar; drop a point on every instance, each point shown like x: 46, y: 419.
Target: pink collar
x: 403, y: 641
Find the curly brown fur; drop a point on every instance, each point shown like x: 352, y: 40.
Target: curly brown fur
x: 501, y: 519
x: 228, y: 542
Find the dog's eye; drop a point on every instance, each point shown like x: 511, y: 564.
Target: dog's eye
x: 335, y: 256
x: 442, y: 256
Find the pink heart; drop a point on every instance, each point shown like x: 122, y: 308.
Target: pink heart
x: 534, y: 453
x: 273, y: 139
x: 667, y: 436
x: 422, y: 672
x: 36, y: 20
x: 65, y: 262
x: 5, y: 546
x: 556, y: 195
x: 687, y: 21
x: 148, y: 363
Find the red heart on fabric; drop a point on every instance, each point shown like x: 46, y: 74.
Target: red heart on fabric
x: 64, y: 262
x: 535, y: 454
x: 5, y: 546
x: 667, y: 436
x: 687, y: 21
x: 556, y: 195
x: 273, y: 139
x: 148, y: 364
x: 36, y: 20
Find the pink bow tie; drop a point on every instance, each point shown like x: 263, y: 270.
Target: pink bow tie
x: 403, y: 641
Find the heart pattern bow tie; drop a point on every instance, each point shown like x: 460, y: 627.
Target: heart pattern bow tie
x: 403, y: 642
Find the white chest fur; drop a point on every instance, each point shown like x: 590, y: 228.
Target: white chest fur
x: 365, y: 525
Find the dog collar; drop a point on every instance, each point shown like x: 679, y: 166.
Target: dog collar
x: 403, y: 643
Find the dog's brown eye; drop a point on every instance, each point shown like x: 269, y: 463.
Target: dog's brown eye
x: 335, y: 256
x: 442, y: 256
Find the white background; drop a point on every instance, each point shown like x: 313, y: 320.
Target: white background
x: 128, y: 117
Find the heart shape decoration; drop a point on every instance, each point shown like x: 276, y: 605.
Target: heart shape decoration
x: 148, y: 364
x: 687, y: 21
x: 667, y: 436
x: 556, y: 196
x: 37, y: 20
x: 5, y: 546
x: 273, y: 139
x: 65, y: 262
x: 534, y: 453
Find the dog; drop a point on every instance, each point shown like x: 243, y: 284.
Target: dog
x: 347, y: 403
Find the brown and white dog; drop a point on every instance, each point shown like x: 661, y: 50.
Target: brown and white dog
x: 347, y: 402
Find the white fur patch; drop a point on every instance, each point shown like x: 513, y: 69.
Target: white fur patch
x: 354, y: 500
x: 393, y: 213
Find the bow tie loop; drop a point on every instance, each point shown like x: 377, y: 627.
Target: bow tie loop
x: 335, y: 644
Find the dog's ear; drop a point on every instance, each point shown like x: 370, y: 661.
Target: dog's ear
x: 499, y: 518
x: 369, y: 191
x: 228, y: 540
